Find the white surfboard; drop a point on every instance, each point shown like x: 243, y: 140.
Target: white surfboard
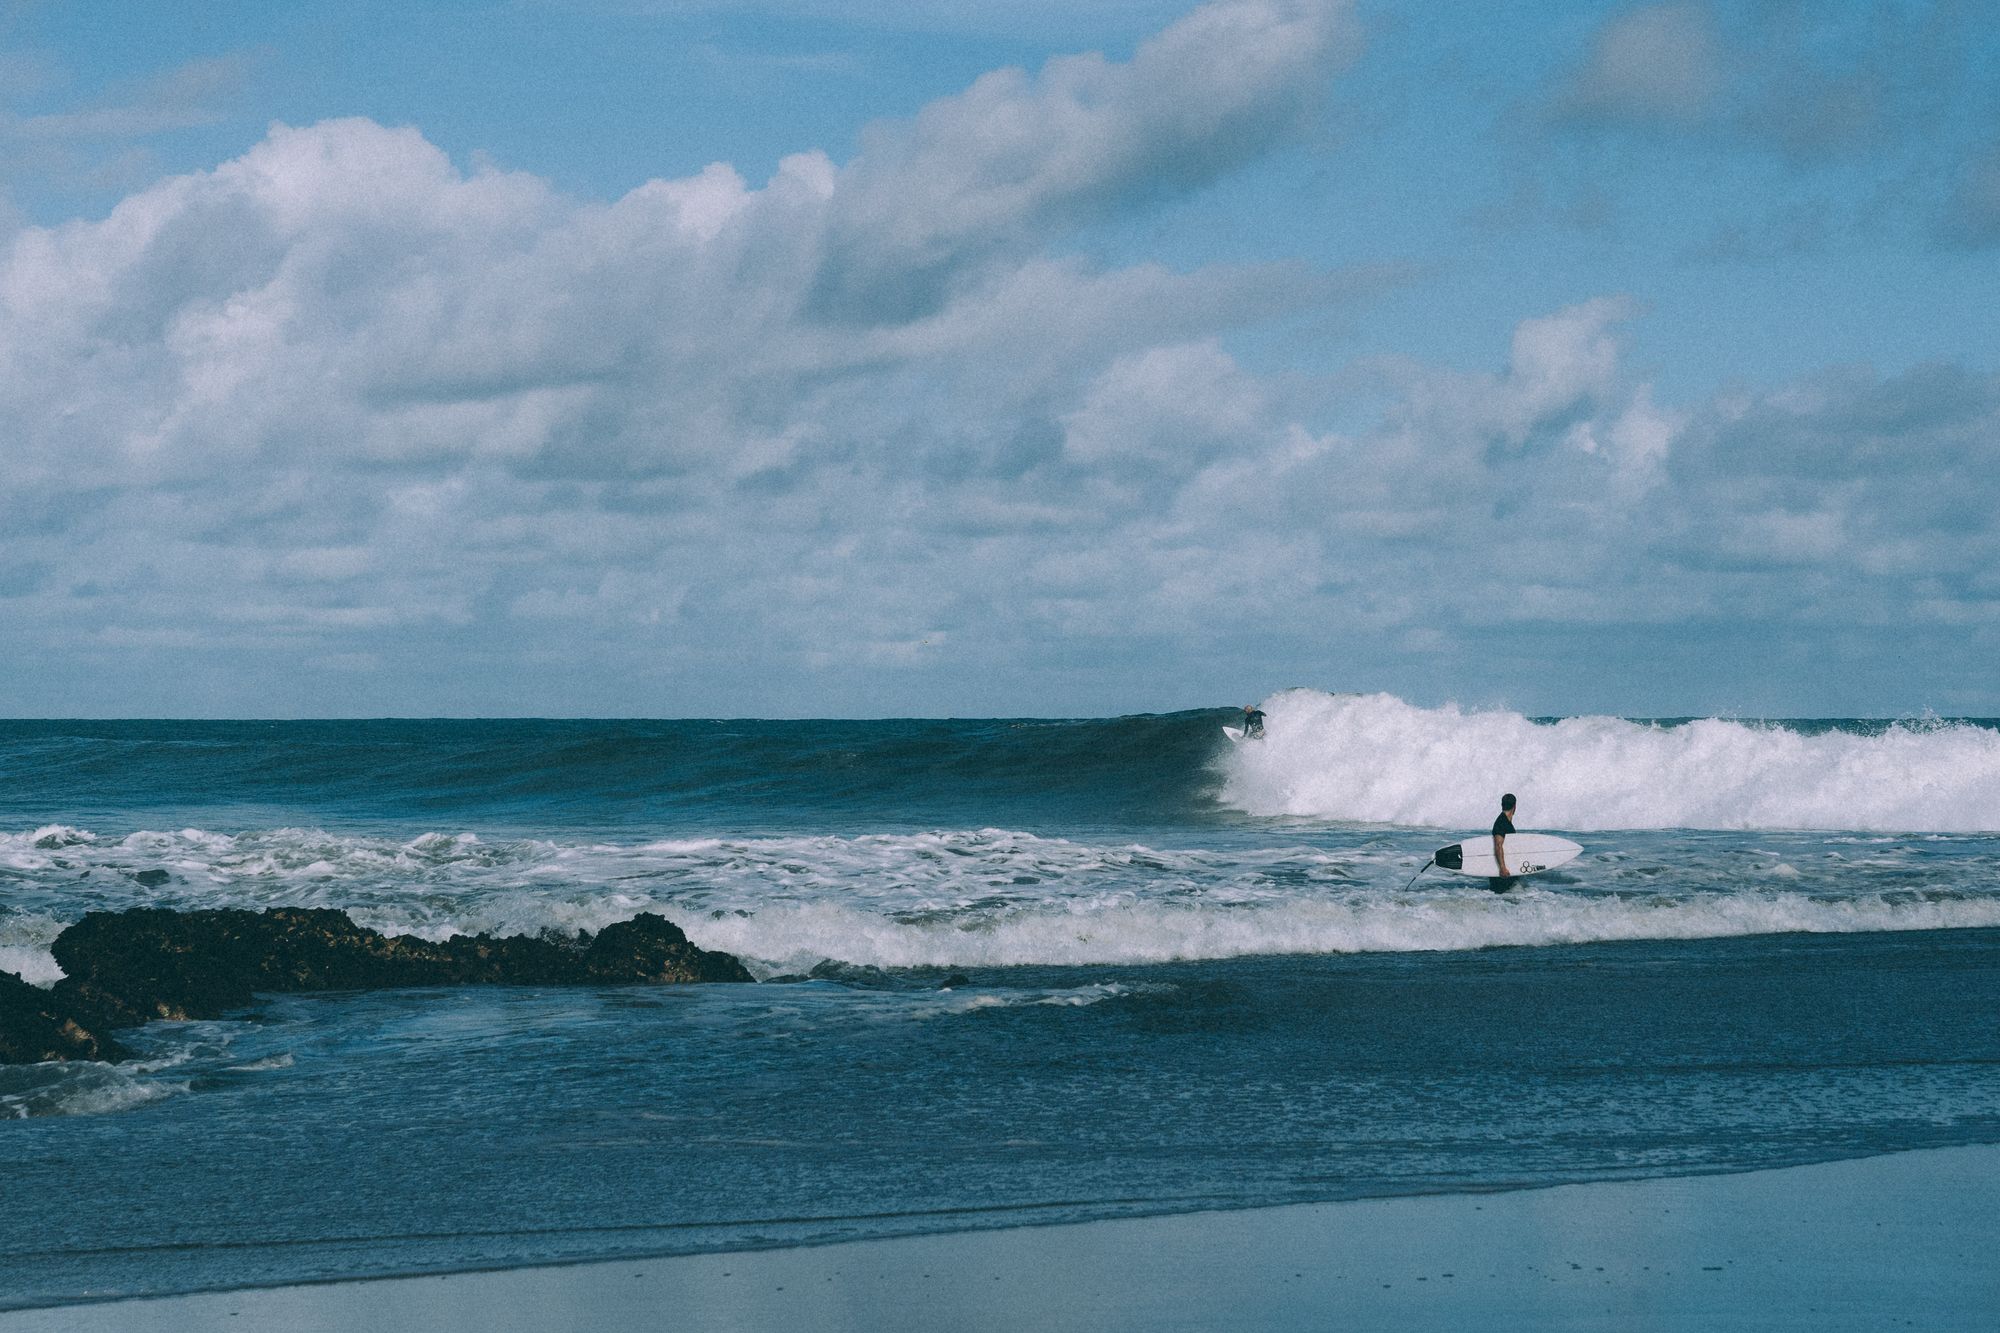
x: 1527, y: 854
x: 1234, y: 733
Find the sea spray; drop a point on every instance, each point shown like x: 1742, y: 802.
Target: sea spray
x: 1375, y: 759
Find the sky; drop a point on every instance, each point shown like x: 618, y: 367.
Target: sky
x: 818, y: 358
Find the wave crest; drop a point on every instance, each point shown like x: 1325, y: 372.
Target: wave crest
x: 1351, y: 922
x: 1376, y: 759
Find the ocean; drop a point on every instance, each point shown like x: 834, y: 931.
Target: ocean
x: 1011, y: 972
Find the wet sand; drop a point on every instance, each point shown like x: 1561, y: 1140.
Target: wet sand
x: 1907, y: 1240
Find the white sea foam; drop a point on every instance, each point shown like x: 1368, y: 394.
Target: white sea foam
x: 1129, y: 933
x: 845, y: 1007
x: 25, y: 938
x: 282, y: 1060
x: 1001, y: 897
x: 172, y: 1059
x: 79, y: 1088
x: 1376, y: 759
x: 52, y: 837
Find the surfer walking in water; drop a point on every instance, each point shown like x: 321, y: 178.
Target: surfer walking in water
x: 1501, y: 828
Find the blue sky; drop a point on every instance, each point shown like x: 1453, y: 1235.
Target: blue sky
x: 811, y: 358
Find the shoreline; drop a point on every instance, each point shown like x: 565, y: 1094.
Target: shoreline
x: 1857, y: 1242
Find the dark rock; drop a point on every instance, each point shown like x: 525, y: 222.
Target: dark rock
x: 650, y: 948
x: 858, y: 975
x: 152, y: 879
x: 125, y: 968
x: 38, y: 1025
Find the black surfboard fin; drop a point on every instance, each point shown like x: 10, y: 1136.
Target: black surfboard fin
x: 1449, y: 858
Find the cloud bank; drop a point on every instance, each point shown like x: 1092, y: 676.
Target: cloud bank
x: 340, y: 427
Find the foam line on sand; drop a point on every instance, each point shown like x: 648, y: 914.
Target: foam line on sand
x: 1895, y: 1241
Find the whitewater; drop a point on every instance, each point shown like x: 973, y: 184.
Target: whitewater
x: 1126, y: 841
x: 1375, y: 759
x: 996, y: 897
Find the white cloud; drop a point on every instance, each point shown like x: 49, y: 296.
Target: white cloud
x: 103, y: 141
x: 1889, y: 95
x: 1016, y: 153
x: 1657, y: 63
x: 339, y: 425
x: 337, y: 390
x: 188, y: 95
x: 1802, y: 81
x: 1561, y: 360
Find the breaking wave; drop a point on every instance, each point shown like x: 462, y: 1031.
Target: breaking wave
x: 78, y: 1088
x: 1375, y: 759
x: 1453, y: 919
x: 998, y: 897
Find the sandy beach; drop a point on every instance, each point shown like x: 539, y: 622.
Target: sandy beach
x: 1905, y: 1240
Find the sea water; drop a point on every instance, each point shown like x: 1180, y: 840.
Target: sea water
x: 1010, y: 972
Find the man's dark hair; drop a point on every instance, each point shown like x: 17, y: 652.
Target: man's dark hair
x: 1507, y: 801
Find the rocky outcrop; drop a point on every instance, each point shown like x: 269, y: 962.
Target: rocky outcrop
x: 125, y: 968
x: 39, y: 1025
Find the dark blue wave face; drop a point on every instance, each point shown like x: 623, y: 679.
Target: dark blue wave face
x: 1142, y: 770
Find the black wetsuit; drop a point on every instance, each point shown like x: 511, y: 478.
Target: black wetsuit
x: 1501, y: 828
x: 1253, y: 723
